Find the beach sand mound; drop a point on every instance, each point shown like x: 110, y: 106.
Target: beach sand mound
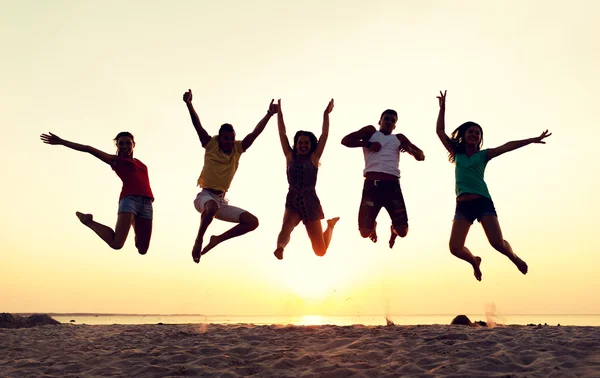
x: 15, y: 321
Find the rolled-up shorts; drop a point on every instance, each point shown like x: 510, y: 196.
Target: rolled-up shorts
x: 140, y: 206
x: 225, y: 213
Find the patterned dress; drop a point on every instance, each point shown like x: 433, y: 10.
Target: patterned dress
x: 302, y: 196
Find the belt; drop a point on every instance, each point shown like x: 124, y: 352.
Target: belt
x: 214, y: 191
x: 384, y: 182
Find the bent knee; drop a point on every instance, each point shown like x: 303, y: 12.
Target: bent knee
x: 142, y: 250
x: 320, y: 251
x: 365, y: 232
x: 401, y: 231
x: 116, y: 244
x: 249, y: 220
x: 456, y: 249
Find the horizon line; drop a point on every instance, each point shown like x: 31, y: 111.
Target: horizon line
x: 263, y: 315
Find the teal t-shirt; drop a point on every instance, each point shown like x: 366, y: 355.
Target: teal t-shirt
x: 469, y: 172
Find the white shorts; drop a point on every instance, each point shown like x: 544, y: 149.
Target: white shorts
x: 225, y: 213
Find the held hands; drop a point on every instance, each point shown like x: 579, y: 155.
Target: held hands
x: 442, y: 100
x: 51, y: 139
x: 329, y: 108
x: 539, y: 139
x: 187, y: 97
x: 273, y: 108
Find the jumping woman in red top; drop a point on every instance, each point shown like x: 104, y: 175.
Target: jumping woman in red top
x: 135, y: 201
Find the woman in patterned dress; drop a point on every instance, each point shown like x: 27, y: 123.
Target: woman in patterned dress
x: 302, y: 202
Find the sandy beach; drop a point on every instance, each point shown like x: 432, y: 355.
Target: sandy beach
x: 292, y: 351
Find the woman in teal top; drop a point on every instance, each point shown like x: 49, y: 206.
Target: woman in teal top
x: 473, y: 200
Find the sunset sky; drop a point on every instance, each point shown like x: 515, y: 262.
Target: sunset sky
x: 86, y: 70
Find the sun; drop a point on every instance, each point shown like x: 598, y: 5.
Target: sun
x: 308, y: 320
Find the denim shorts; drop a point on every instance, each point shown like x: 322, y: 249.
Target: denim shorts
x: 474, y: 209
x: 138, y: 205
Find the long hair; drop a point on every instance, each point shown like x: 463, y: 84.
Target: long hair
x: 311, y: 137
x: 457, y: 140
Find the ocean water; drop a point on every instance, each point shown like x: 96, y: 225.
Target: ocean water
x: 368, y: 320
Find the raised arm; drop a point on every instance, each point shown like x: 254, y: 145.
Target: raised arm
x: 361, y: 138
x: 325, y: 131
x: 285, y: 143
x: 202, y: 134
x: 440, y: 127
x: 407, y: 146
x: 250, y: 138
x: 56, y: 140
x: 510, y: 146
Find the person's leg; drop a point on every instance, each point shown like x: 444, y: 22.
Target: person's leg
x: 315, y: 234
x: 458, y: 236
x: 143, y: 231
x: 320, y: 240
x: 208, y: 208
x: 142, y: 226
x: 246, y: 223
x: 396, y: 208
x: 115, y: 239
x: 494, y: 234
x: 291, y: 219
x: 370, y: 205
x: 329, y: 230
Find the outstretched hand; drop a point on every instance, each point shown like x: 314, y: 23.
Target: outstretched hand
x: 274, y: 108
x: 187, y: 97
x: 51, y: 139
x: 442, y: 99
x: 539, y: 139
x: 329, y: 107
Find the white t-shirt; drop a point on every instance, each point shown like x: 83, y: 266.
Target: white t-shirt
x: 386, y: 160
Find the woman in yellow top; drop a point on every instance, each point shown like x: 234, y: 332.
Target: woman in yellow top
x: 221, y: 160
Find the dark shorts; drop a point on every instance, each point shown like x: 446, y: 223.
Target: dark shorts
x: 377, y: 194
x: 474, y: 209
x: 305, y: 203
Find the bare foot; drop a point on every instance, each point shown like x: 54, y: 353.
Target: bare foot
x: 279, y: 253
x: 214, y: 241
x: 331, y: 222
x: 476, y: 270
x: 84, y: 218
x: 522, y: 265
x: 373, y: 235
x: 196, y: 251
x: 393, y: 237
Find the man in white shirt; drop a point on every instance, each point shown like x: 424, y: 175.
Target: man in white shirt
x: 382, y: 150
